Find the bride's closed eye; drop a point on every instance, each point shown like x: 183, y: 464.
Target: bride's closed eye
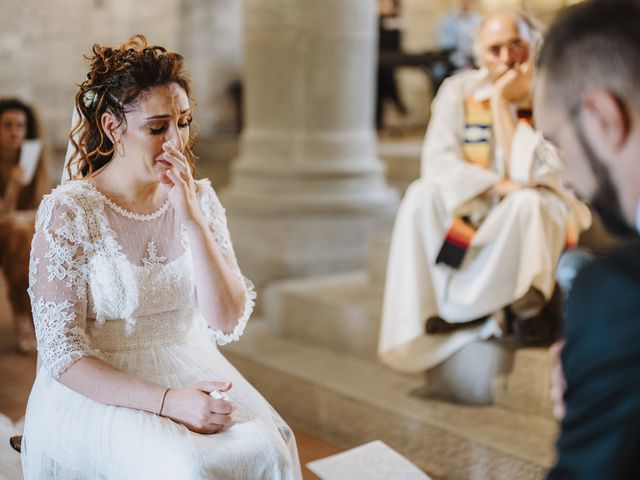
x: 159, y: 129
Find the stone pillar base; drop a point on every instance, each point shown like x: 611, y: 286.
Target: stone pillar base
x: 272, y: 247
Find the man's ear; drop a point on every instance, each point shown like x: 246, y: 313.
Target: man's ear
x: 109, y: 125
x: 606, y: 116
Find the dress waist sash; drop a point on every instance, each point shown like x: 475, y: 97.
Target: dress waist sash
x: 145, y: 331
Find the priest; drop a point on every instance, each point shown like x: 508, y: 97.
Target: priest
x: 478, y: 235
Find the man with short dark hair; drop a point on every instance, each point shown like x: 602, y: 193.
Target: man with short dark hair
x: 587, y: 103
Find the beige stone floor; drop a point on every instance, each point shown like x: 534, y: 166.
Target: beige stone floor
x: 17, y: 373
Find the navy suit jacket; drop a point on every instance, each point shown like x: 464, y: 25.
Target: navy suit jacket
x: 600, y: 437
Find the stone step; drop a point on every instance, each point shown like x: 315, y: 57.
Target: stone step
x: 377, y: 257
x: 498, y: 372
x: 349, y: 401
x: 526, y: 387
x: 341, y: 313
x: 402, y: 160
x: 337, y: 312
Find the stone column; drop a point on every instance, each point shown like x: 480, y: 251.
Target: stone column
x: 210, y: 40
x: 307, y: 190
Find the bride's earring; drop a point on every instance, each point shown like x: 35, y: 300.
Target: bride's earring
x: 119, y: 146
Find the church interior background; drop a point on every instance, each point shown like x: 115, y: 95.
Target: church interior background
x: 285, y: 93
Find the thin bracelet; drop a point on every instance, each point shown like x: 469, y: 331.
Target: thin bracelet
x: 164, y: 396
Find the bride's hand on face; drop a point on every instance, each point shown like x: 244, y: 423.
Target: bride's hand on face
x: 194, y: 408
x: 179, y: 180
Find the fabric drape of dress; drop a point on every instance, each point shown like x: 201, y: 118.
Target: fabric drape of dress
x: 119, y: 286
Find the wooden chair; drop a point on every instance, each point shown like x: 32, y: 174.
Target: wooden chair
x: 16, y: 443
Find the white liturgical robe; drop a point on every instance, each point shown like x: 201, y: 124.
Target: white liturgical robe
x: 516, y: 245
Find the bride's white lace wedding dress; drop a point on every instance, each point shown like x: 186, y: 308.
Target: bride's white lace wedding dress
x: 118, y: 285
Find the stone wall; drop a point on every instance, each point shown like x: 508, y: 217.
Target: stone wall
x: 421, y: 18
x: 42, y: 45
x: 421, y: 21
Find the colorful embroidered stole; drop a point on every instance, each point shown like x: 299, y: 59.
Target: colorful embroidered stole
x: 456, y: 243
x: 476, y: 144
x: 476, y: 148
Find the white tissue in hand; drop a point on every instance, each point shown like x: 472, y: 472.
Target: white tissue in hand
x: 239, y: 415
x: 218, y: 395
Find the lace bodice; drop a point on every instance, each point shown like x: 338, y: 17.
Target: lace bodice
x: 95, y: 263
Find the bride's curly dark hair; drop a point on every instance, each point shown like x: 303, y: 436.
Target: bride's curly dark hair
x: 116, y: 79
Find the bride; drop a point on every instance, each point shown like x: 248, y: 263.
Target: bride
x: 133, y: 282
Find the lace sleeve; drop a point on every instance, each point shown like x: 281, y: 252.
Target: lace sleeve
x: 57, y: 287
x: 216, y: 219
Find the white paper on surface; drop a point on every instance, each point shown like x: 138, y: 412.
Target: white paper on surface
x: 29, y: 156
x: 371, y: 461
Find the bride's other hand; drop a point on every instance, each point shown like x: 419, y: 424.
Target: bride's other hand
x: 182, y: 188
x: 194, y: 408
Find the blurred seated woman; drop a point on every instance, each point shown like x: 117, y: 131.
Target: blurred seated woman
x: 22, y: 187
x: 133, y: 284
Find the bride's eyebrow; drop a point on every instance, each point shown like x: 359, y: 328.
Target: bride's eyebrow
x: 165, y: 115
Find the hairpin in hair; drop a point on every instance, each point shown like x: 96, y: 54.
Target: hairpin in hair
x: 89, y: 98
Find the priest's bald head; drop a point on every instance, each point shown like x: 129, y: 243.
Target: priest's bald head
x: 587, y: 103
x: 502, y: 42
